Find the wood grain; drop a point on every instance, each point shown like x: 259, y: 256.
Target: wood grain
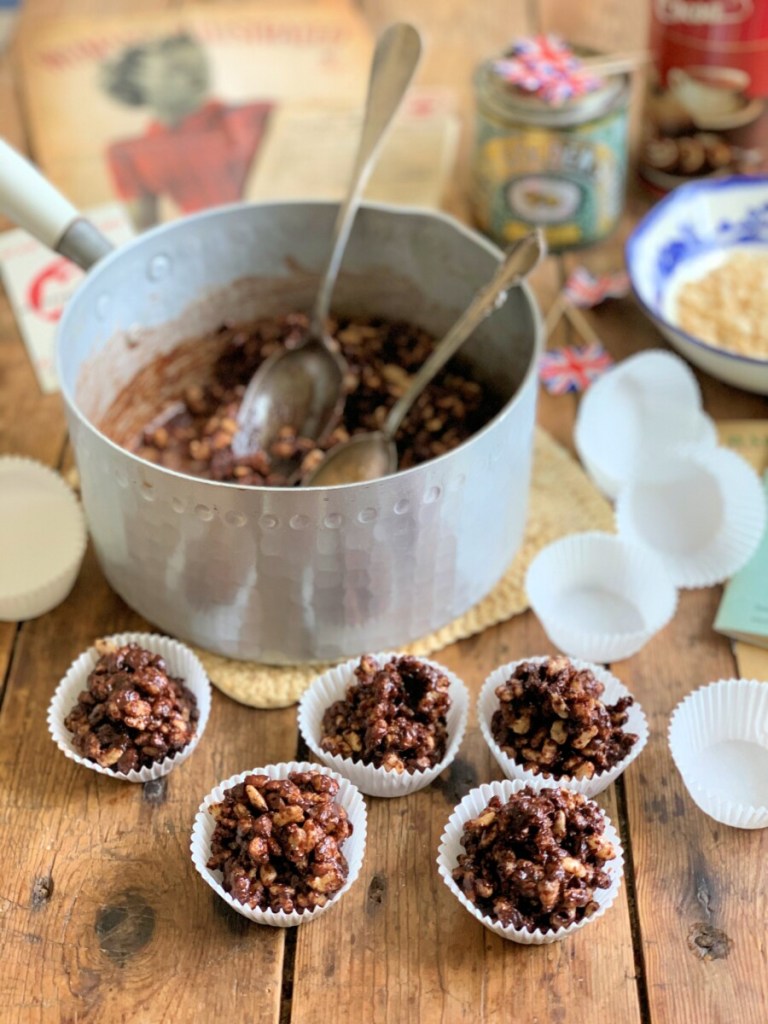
x: 103, y: 916
x: 702, y: 900
x: 30, y: 424
x: 697, y: 883
x: 8, y: 632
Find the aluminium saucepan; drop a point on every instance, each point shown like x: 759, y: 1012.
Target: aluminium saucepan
x: 285, y: 575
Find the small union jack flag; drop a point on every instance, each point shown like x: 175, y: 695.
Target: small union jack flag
x: 546, y: 67
x: 572, y: 368
x: 585, y: 290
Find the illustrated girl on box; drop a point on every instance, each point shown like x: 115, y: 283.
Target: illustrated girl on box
x: 196, y: 151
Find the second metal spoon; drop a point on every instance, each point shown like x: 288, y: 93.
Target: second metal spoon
x: 372, y: 455
x: 303, y: 387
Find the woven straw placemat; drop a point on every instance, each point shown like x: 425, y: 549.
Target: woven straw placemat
x: 562, y: 501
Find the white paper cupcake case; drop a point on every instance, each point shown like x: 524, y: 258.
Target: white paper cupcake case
x: 718, y: 736
x: 450, y: 847
x: 638, y: 408
x: 332, y: 686
x: 598, y: 597
x: 354, y: 847
x: 488, y: 703
x: 180, y: 661
x: 701, y: 509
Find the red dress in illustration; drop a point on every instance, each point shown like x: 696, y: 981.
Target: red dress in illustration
x: 202, y: 161
x: 196, y: 151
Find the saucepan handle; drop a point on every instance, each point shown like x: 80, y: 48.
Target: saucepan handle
x: 32, y: 202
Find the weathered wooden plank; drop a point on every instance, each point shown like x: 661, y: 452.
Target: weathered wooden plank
x: 701, y: 893
x: 697, y: 883
x: 401, y: 948
x: 8, y: 632
x: 92, y: 950
x: 29, y: 425
x: 103, y: 916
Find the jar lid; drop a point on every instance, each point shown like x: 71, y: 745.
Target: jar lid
x: 508, y: 101
x: 42, y: 539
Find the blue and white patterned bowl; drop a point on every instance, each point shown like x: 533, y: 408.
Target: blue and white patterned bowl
x: 692, y: 230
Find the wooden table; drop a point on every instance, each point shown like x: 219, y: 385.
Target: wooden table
x: 103, y: 919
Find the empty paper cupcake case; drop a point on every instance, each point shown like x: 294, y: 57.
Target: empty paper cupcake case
x: 688, y: 514
x: 638, y: 410
x: 700, y: 507
x: 598, y: 597
x: 718, y: 736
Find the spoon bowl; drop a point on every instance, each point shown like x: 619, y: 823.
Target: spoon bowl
x: 372, y: 455
x: 364, y: 457
x: 296, y: 387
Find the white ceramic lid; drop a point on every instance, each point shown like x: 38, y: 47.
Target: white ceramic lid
x: 42, y: 539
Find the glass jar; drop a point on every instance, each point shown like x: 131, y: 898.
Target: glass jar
x: 562, y: 168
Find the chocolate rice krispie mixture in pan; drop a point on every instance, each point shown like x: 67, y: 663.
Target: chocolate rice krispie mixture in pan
x: 193, y: 432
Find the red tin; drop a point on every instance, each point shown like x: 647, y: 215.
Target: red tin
x: 707, y: 102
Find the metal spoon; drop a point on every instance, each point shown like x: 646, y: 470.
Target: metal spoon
x: 302, y: 387
x: 372, y: 455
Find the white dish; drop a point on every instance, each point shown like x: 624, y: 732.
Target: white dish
x: 450, y: 847
x: 702, y: 510
x: 488, y: 703
x: 635, y: 412
x: 180, y: 662
x: 696, y: 226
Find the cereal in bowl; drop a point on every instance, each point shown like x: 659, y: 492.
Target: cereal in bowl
x: 728, y: 306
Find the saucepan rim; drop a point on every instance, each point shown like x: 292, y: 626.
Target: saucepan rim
x: 387, y: 208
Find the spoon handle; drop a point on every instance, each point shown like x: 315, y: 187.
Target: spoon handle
x: 520, y: 260
x: 30, y: 200
x: 395, y: 60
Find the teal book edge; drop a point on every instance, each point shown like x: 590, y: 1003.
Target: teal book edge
x: 743, y: 611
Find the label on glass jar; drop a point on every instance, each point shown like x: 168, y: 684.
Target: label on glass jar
x: 569, y: 181
x: 707, y: 101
